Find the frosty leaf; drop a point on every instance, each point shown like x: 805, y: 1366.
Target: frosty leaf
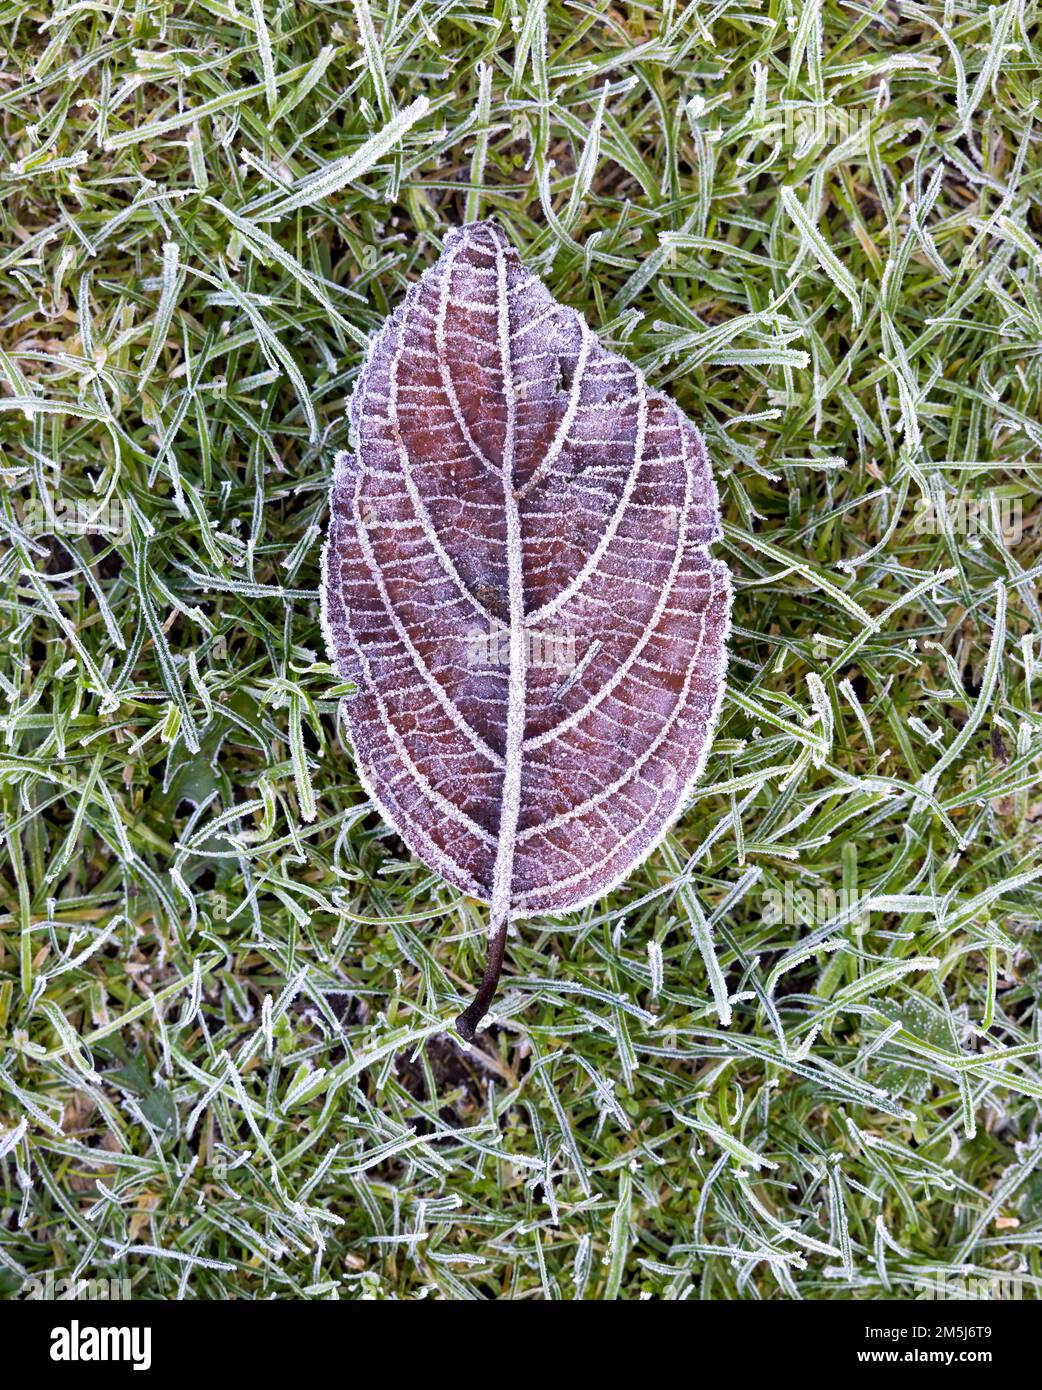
x: 516, y: 578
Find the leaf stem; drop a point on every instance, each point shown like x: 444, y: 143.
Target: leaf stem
x: 467, y: 1022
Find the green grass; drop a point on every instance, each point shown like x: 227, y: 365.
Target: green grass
x: 222, y: 979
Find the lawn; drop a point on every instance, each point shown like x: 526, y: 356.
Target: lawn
x: 797, y: 1053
